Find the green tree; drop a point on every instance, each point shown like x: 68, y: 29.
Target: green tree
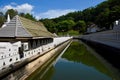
x: 87, y: 14
x: 50, y: 25
x: 22, y: 14
x: 2, y: 19
x: 71, y: 23
x: 29, y: 16
x: 11, y: 12
x: 113, y: 3
x: 114, y: 13
x: 80, y: 26
x: 103, y: 19
x: 103, y: 15
x: 66, y: 25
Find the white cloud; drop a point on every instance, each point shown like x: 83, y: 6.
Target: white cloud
x: 54, y: 13
x: 25, y: 8
x: 28, y: 8
x: 5, y: 8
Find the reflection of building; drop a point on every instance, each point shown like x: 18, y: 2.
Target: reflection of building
x: 116, y: 25
x: 92, y: 28
x: 21, y: 38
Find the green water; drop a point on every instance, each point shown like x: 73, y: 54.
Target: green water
x: 77, y: 63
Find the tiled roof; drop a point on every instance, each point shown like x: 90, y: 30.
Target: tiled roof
x: 22, y: 27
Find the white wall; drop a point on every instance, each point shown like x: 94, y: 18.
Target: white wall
x: 8, y: 53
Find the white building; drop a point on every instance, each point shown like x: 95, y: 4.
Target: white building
x: 93, y: 28
x: 20, y: 39
x: 116, y: 25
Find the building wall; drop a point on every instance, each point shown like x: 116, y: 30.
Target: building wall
x: 8, y: 53
x: 11, y: 52
x: 116, y: 25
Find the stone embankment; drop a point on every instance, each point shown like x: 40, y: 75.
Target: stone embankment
x: 36, y: 61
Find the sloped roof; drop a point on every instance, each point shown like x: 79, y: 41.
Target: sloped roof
x: 22, y: 27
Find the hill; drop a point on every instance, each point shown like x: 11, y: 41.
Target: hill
x: 103, y: 15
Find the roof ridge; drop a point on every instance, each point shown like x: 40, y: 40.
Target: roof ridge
x: 23, y: 27
x: 16, y: 26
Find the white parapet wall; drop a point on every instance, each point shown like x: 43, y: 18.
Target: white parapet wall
x: 59, y: 40
x: 9, y: 51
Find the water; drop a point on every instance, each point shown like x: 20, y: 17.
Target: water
x: 66, y: 70
x: 77, y: 63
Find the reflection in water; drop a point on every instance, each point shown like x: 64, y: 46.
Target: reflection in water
x: 77, y: 63
x: 78, y: 53
x: 45, y: 74
x: 66, y: 70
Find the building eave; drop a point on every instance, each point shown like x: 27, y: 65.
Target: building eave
x: 4, y: 39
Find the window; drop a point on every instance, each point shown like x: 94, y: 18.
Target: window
x: 2, y: 57
x: 10, y: 60
x: 9, y: 49
x: 3, y: 63
x: 16, y: 59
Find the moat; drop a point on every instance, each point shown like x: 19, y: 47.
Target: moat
x: 78, y: 62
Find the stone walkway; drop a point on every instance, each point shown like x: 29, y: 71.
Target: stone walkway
x: 110, y: 38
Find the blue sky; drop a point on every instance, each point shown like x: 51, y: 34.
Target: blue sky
x: 47, y: 8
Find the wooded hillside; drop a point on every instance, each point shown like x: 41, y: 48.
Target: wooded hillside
x: 102, y: 15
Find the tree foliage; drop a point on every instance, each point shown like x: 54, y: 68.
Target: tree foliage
x: 50, y: 25
x: 65, y: 25
x: 80, y: 26
x: 11, y: 12
x: 2, y: 19
x: 28, y: 16
x: 103, y: 15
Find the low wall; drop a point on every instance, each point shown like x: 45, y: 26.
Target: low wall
x: 109, y: 53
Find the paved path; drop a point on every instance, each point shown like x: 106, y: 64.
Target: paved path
x: 110, y: 38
